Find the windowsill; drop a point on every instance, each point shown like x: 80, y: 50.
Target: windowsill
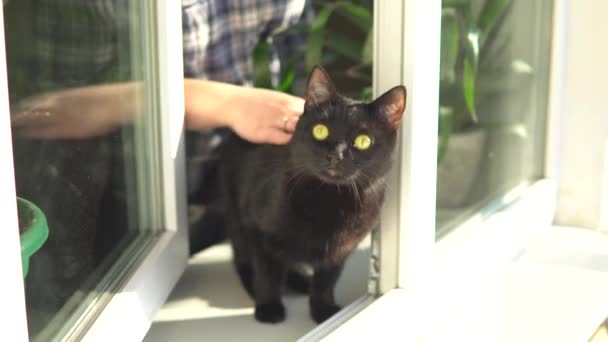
x: 209, y: 303
x: 555, y: 291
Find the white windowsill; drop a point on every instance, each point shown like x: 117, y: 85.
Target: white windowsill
x: 208, y: 303
x: 555, y: 291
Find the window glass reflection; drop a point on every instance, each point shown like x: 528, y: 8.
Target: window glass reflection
x: 493, y: 103
x: 75, y: 82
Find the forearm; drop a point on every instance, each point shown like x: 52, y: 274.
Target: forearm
x: 208, y: 103
x: 257, y: 115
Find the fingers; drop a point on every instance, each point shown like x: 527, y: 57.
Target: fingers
x: 277, y: 137
x: 288, y: 123
x: 291, y: 114
x: 296, y: 105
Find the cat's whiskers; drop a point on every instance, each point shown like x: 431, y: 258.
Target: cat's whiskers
x: 299, y: 169
x: 374, y: 183
x: 358, y: 200
x: 272, y: 176
x: 270, y: 162
x: 296, y: 180
x: 296, y: 177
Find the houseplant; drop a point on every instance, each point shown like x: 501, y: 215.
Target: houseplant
x: 472, y: 73
x: 463, y: 36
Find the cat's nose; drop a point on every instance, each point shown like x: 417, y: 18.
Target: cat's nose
x: 337, y: 153
x: 334, y: 158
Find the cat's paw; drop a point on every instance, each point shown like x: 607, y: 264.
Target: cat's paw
x: 270, y: 312
x: 322, y: 311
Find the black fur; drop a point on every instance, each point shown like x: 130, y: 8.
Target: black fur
x: 285, y: 208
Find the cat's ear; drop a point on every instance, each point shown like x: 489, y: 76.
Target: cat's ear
x: 320, y: 88
x: 391, y: 105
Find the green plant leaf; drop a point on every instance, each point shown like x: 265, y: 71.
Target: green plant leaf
x: 343, y: 45
x: 450, y: 45
x: 469, y: 72
x: 261, y: 64
x: 491, y: 11
x: 287, y: 81
x: 468, y: 86
x: 317, y: 32
x: 367, y: 54
x: 358, y: 15
x: 366, y: 94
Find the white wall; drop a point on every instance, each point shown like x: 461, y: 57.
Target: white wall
x: 583, y: 168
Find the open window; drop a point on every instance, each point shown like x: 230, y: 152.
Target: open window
x: 470, y: 187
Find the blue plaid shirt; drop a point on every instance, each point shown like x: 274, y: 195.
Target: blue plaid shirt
x: 220, y: 36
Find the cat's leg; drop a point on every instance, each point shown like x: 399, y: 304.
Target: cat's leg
x: 299, y: 278
x: 241, y: 253
x: 322, y: 301
x: 243, y: 264
x: 269, y: 278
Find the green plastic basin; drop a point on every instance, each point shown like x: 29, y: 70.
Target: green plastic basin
x: 34, y: 233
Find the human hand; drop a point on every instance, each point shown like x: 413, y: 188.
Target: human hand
x: 76, y: 112
x: 256, y: 115
x: 265, y: 116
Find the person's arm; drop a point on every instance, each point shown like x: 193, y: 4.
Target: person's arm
x: 76, y: 113
x: 257, y: 115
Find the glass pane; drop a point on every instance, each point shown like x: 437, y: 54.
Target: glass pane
x: 83, y: 125
x: 495, y: 58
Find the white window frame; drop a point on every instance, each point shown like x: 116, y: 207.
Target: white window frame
x: 12, y: 313
x: 129, y: 313
x: 410, y: 259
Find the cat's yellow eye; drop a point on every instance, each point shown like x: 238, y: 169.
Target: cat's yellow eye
x: 363, y: 142
x: 320, y: 132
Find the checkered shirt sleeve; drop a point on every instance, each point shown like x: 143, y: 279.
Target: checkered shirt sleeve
x: 220, y: 36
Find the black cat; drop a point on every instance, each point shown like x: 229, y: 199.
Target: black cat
x: 310, y: 201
